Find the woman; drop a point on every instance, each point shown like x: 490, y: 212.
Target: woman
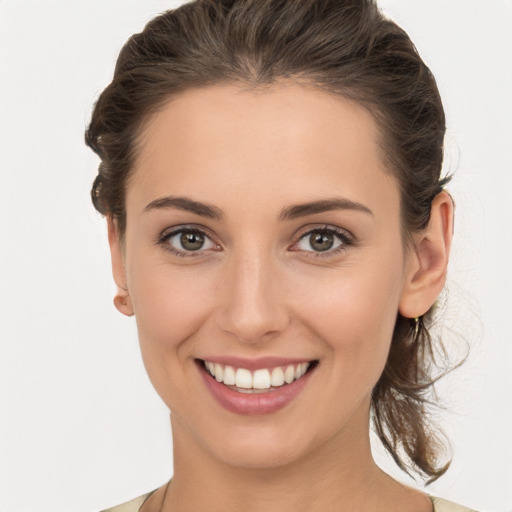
x: 270, y: 174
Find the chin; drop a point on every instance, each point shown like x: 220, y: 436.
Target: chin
x: 258, y: 453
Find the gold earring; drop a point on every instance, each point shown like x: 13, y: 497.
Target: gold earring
x: 416, y: 327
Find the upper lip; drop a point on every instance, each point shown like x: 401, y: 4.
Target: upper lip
x: 256, y: 363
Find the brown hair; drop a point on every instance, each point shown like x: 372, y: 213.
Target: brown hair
x: 346, y: 47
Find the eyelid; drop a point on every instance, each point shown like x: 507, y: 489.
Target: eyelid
x: 164, y: 237
x: 346, y: 237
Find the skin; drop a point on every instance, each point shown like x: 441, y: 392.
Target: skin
x: 258, y: 288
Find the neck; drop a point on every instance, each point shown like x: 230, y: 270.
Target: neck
x: 338, y: 473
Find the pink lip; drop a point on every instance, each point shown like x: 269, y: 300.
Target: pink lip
x: 254, y: 364
x: 256, y: 403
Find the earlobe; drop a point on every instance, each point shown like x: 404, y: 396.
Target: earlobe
x: 428, y: 260
x: 122, y: 299
x: 123, y: 303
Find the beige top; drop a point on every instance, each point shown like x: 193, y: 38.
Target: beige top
x: 440, y: 505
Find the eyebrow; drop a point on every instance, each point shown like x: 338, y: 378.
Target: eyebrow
x: 289, y: 213
x: 324, y: 205
x: 185, y: 204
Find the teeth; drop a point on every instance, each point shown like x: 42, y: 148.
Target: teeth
x: 243, y: 378
x: 262, y: 379
x: 289, y: 374
x: 219, y: 372
x: 277, y: 377
x: 300, y: 370
x: 229, y: 376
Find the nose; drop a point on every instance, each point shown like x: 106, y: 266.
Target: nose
x: 253, y: 298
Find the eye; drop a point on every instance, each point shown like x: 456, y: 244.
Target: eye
x: 187, y: 240
x: 324, y: 240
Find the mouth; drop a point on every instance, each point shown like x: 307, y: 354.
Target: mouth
x: 259, y: 390
x: 262, y: 380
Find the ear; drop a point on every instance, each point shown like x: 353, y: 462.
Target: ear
x: 122, y: 299
x: 428, y: 260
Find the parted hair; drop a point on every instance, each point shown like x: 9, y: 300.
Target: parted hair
x: 344, y: 47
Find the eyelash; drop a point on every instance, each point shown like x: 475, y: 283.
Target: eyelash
x: 345, y: 238
x: 164, y: 238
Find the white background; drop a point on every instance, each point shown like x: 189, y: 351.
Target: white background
x: 81, y: 427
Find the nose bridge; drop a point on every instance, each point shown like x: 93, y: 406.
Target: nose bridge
x: 254, y: 305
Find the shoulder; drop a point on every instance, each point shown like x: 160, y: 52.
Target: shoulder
x: 441, y: 505
x: 130, y: 506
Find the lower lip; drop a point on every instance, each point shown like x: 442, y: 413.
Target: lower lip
x: 250, y: 404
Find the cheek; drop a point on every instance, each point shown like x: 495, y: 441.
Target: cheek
x: 170, y: 304
x: 354, y: 312
x: 169, y: 309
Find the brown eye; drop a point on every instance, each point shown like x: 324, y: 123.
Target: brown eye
x: 184, y: 241
x: 191, y: 240
x: 321, y: 241
x: 324, y: 240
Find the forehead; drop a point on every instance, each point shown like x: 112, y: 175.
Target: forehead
x: 288, y: 139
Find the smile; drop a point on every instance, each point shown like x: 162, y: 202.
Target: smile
x: 264, y: 389
x: 259, y: 381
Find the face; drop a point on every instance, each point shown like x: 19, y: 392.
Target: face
x: 263, y: 241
